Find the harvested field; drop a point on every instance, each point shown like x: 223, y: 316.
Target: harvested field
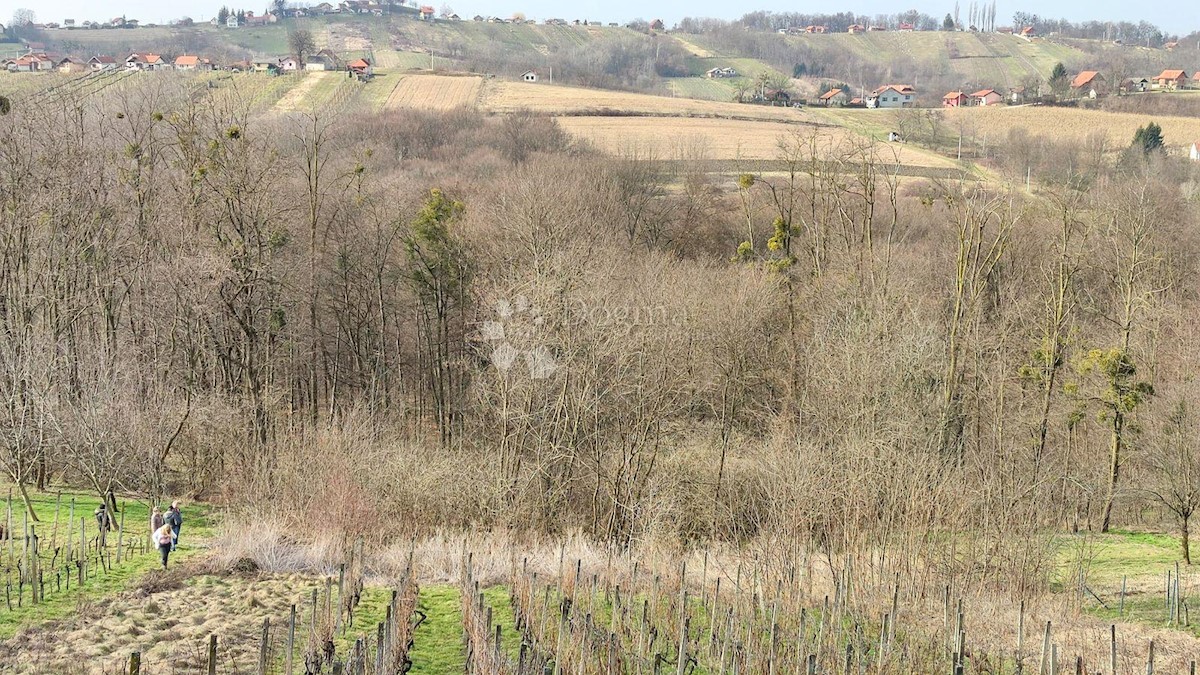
x: 1074, y: 123
x: 720, y: 139
x: 511, y: 96
x: 435, y: 92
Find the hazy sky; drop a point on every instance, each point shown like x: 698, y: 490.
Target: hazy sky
x: 1174, y: 16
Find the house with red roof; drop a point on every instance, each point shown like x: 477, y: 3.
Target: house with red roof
x: 955, y: 99
x: 986, y: 97
x: 856, y: 28
x: 427, y: 13
x: 1172, y: 79
x: 1028, y: 32
x: 907, y: 27
x: 187, y: 62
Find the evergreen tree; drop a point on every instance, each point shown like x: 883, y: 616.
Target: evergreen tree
x: 948, y: 22
x: 222, y: 15
x: 1148, y: 138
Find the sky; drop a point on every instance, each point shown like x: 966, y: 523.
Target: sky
x: 1173, y: 16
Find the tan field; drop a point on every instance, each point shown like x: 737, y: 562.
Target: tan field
x: 435, y: 92
x: 512, y: 96
x: 722, y: 139
x: 1071, y: 123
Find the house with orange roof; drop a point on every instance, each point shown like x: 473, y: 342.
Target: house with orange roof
x: 834, y: 97
x: 426, y: 12
x: 1172, y: 79
x: 187, y: 62
x: 856, y: 28
x: 360, y: 67
x: 1028, y: 32
x: 986, y: 97
x: 955, y: 99
x: 1089, y: 83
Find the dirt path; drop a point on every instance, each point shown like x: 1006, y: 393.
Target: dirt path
x: 291, y: 100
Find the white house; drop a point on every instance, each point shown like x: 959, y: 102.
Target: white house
x: 530, y: 76
x: 1194, y: 153
x: 289, y: 64
x: 232, y: 21
x: 892, y: 96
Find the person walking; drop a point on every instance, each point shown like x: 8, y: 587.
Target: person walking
x: 164, y: 538
x: 175, y: 519
x: 156, y: 520
x: 102, y: 523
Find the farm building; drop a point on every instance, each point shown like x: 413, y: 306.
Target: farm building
x: 955, y: 99
x: 1089, y: 83
x: 1139, y: 84
x: 187, y: 62
x: 986, y: 97
x: 426, y: 13
x: 1172, y: 79
x: 319, y: 62
x: 360, y: 67
x: 892, y: 96
x: 69, y: 64
x: 856, y: 28
x: 530, y: 76
x: 835, y: 97
x: 98, y: 63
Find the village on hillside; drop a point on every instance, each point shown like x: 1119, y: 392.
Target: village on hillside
x: 1059, y: 87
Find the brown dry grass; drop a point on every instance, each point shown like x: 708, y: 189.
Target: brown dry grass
x: 722, y: 139
x: 1074, y: 124
x: 169, y: 627
x: 435, y: 92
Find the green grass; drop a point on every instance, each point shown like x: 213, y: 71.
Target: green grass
x: 438, y: 643
x: 702, y: 88
x: 57, y: 604
x: 497, y: 597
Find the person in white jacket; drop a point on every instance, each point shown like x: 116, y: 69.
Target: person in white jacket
x: 164, y: 538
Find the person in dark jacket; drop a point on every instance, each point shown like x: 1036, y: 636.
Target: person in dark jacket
x: 156, y: 520
x: 175, y: 519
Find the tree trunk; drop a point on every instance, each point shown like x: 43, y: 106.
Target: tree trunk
x: 1183, y: 539
x: 1114, y: 470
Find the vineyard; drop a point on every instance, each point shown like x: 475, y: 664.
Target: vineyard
x: 570, y: 610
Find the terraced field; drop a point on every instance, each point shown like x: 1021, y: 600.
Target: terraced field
x: 435, y: 92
